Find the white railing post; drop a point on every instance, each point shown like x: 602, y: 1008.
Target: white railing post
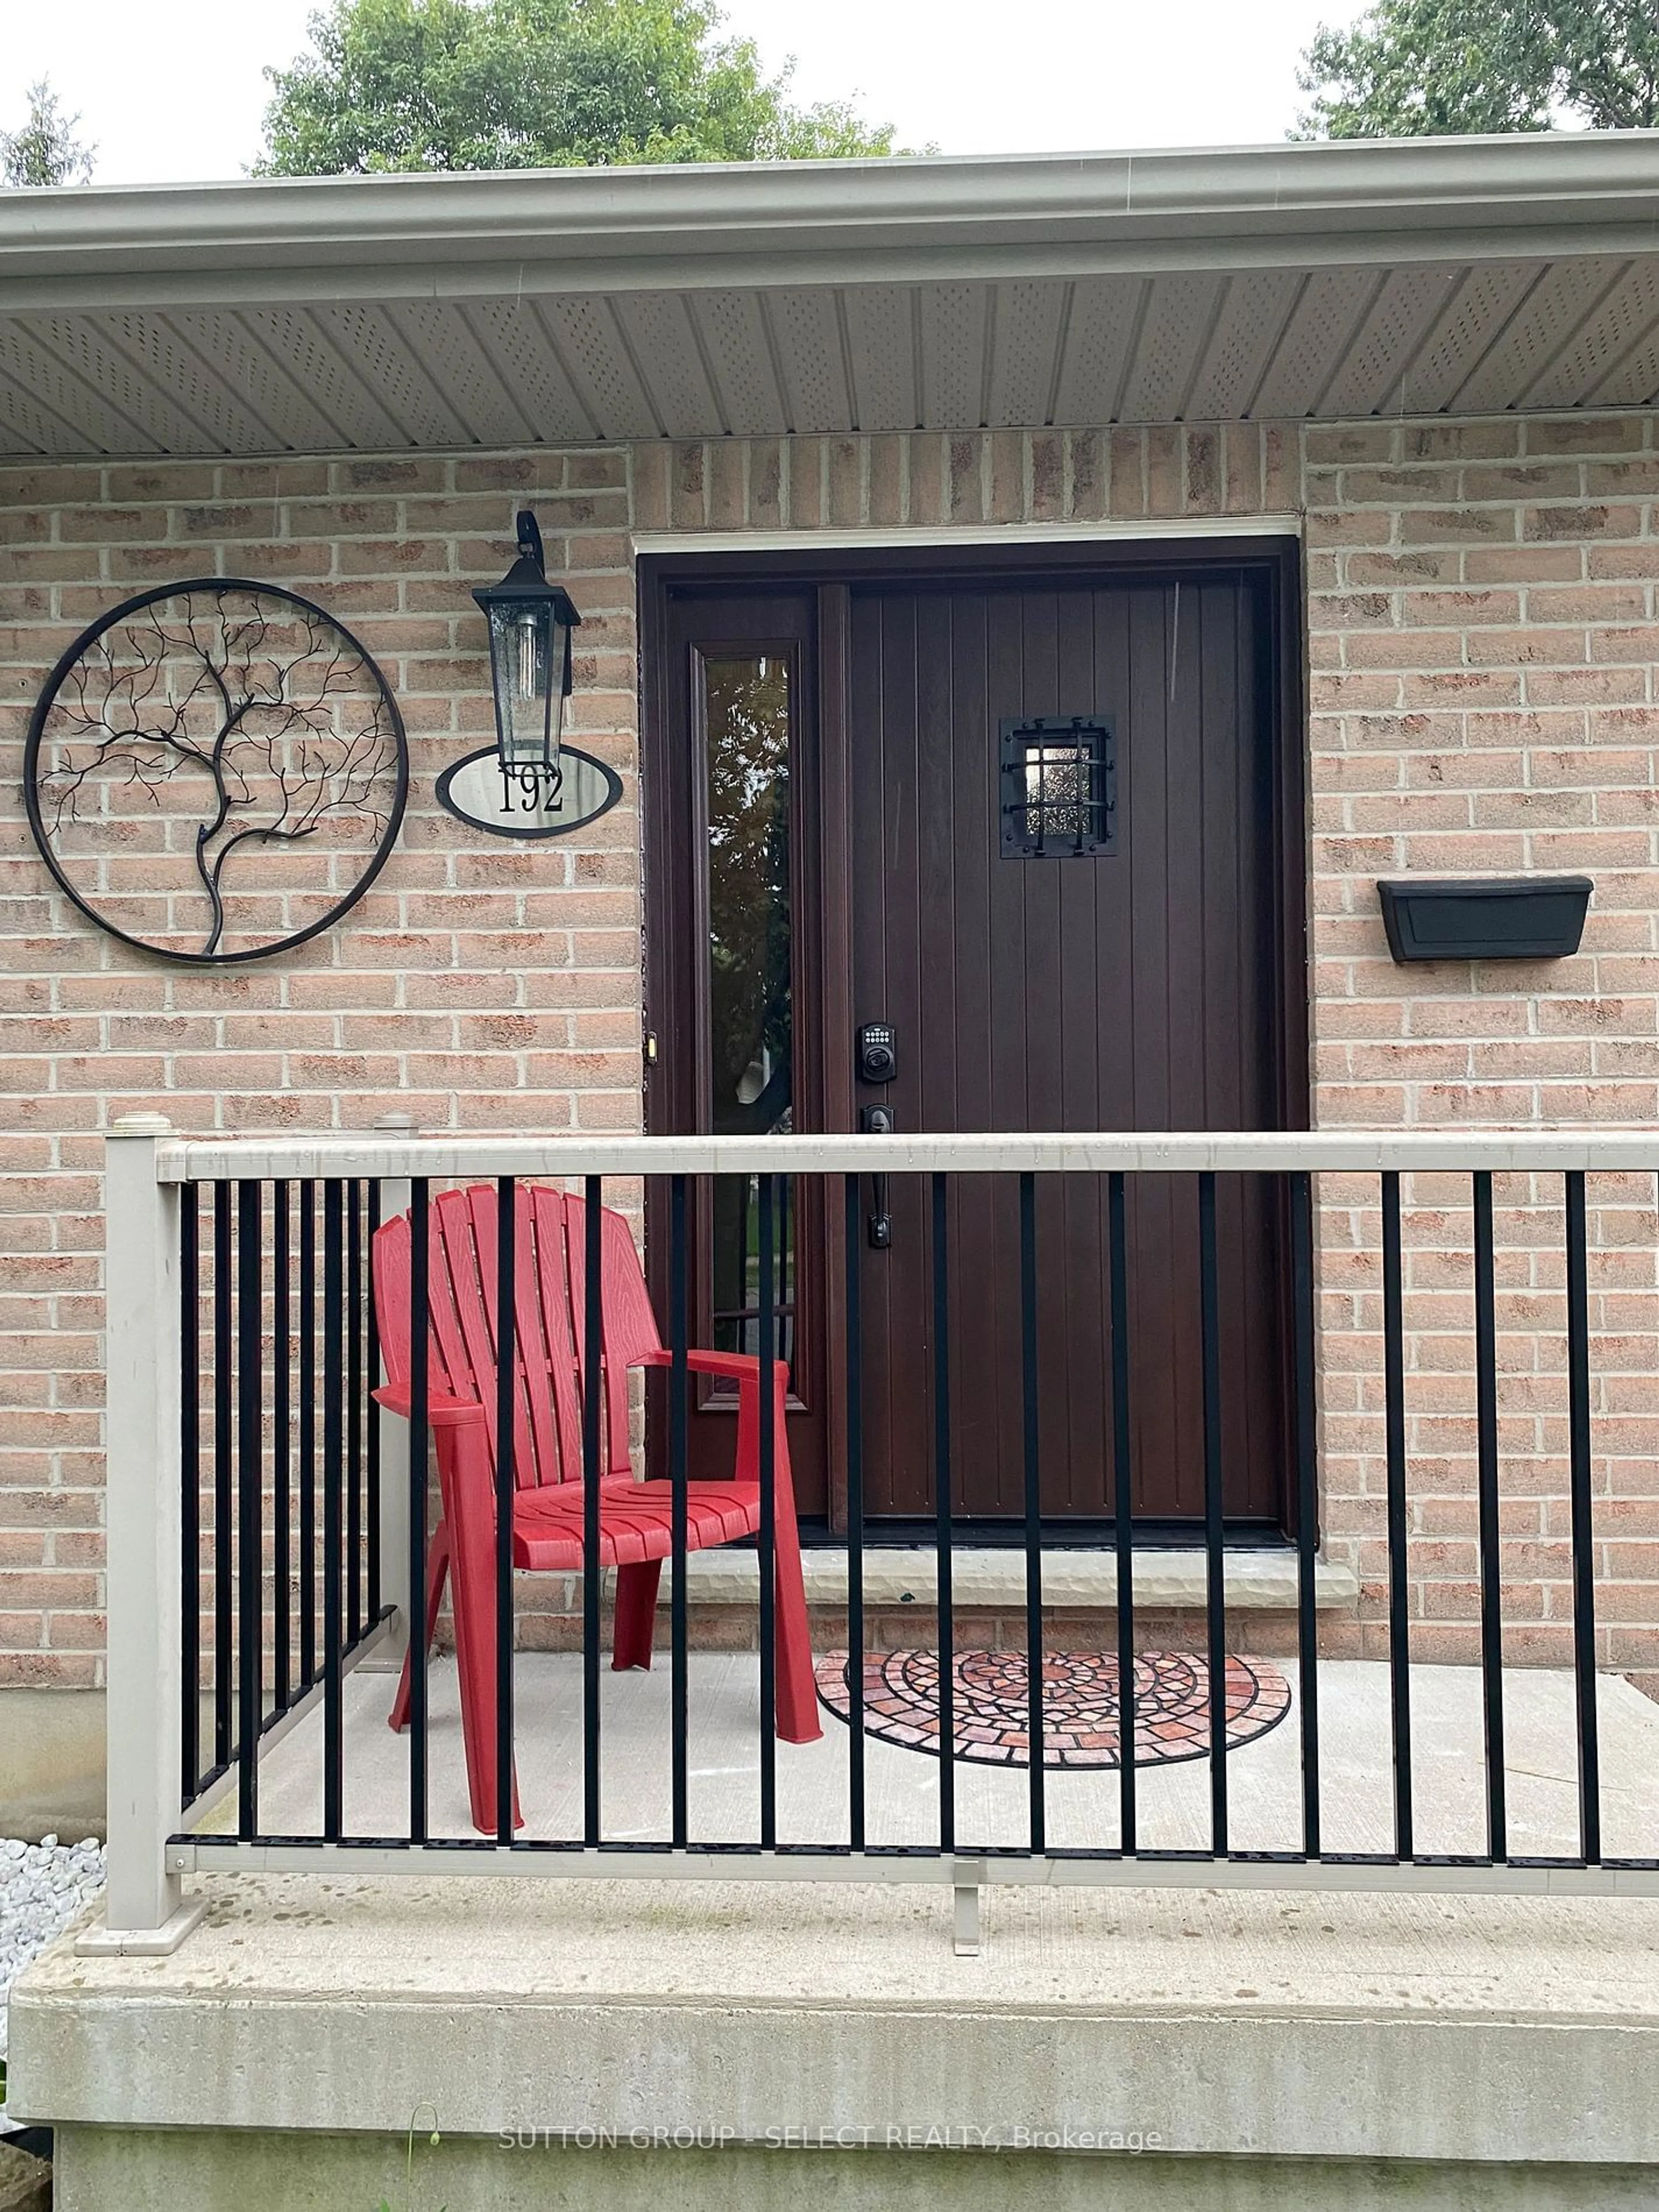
x: 387, y: 1655
x: 145, y: 1910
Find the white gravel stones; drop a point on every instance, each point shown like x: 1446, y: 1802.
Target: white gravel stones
x: 42, y: 1886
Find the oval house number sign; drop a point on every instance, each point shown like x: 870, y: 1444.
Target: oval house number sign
x: 488, y: 793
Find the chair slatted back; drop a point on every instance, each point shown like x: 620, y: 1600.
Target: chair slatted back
x: 549, y: 1287
x: 627, y: 1325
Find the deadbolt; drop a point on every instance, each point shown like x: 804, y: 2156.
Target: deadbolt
x: 878, y: 1052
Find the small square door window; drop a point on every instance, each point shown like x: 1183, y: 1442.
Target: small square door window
x: 1059, y: 787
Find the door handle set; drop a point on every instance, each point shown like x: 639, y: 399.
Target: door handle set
x: 877, y: 1062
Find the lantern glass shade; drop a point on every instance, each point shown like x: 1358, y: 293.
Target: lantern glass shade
x: 526, y: 644
x: 530, y: 623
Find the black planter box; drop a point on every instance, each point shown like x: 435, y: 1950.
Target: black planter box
x: 1486, y: 918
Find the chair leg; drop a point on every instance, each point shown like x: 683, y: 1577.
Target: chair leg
x: 437, y: 1570
x: 637, y: 1614
x: 796, y: 1691
x: 795, y: 1687
x: 473, y: 1590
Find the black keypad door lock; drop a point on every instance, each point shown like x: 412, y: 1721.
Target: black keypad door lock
x: 878, y: 1052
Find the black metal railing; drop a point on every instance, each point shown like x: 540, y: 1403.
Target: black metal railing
x: 281, y: 1560
x: 286, y: 1512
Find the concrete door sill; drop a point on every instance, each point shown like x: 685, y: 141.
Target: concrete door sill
x: 1256, y: 1580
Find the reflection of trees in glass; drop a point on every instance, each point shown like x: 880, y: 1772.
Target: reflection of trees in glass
x: 748, y: 755
x: 747, y: 703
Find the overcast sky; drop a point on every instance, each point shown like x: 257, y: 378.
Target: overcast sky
x: 173, y: 90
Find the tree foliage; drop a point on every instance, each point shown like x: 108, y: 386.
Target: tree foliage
x: 519, y: 84
x: 45, y: 151
x: 1436, y: 68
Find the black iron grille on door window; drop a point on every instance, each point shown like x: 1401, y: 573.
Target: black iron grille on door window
x: 1059, y: 786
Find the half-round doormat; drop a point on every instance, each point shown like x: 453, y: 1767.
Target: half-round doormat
x: 991, y: 1714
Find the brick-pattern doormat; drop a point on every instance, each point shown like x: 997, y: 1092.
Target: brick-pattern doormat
x: 991, y: 1714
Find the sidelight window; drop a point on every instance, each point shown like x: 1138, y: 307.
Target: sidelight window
x: 747, y: 712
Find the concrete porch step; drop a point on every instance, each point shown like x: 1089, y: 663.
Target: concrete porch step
x: 1225, y: 2053
x: 994, y: 1576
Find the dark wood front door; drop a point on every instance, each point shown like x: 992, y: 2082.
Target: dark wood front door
x: 846, y: 774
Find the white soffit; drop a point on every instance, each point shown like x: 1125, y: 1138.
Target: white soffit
x: 1453, y: 277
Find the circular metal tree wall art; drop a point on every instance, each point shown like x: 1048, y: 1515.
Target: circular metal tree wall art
x: 215, y: 771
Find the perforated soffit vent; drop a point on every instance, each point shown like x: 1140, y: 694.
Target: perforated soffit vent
x: 933, y: 295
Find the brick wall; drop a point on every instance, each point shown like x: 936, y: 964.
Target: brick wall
x: 478, y: 985
x: 1481, y: 641
x: 1480, y: 629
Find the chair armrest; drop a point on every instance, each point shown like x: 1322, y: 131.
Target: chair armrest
x: 738, y: 1366
x: 743, y: 1368
x: 442, y: 1411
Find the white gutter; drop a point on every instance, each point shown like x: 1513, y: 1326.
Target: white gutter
x: 906, y: 221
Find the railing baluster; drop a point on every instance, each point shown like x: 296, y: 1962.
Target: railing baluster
x: 370, y: 1415
x: 768, y: 1527
x: 1030, y: 1440
x: 334, y: 1194
x: 507, y: 1223
x: 853, y: 1229
x: 679, y: 1416
x: 1307, y: 1505
x: 307, y: 1470
x: 1491, y: 1592
x: 1123, y: 1513
x: 1583, y: 1525
x: 222, y: 1405
x: 593, y: 1354
x: 1393, y: 1387
x: 355, y: 1401
x: 1215, y: 1607
x: 420, y: 1253
x: 190, y: 1461
x: 250, y: 1519
x: 786, y: 1286
x: 945, y: 1633
x: 281, y: 1567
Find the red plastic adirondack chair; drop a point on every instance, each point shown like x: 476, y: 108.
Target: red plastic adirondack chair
x: 635, y: 1518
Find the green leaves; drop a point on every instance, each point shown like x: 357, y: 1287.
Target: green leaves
x: 45, y: 151
x: 517, y: 84
x: 1437, y: 68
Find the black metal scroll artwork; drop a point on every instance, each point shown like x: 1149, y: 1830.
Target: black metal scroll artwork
x: 215, y: 771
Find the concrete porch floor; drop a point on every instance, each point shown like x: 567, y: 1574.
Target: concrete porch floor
x: 596, y: 2046
x: 992, y: 1805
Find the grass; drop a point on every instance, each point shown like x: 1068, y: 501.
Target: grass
x: 433, y: 2140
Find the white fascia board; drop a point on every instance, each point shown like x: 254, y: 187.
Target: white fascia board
x: 901, y: 221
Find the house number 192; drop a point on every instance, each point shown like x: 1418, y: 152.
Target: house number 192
x: 530, y: 790
x: 525, y: 800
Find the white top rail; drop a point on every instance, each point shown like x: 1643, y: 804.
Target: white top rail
x: 397, y: 1155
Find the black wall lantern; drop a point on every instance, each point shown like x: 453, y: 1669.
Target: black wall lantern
x: 529, y: 783
x: 531, y: 622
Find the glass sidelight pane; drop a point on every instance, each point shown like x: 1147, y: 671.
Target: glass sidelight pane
x: 747, y: 709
